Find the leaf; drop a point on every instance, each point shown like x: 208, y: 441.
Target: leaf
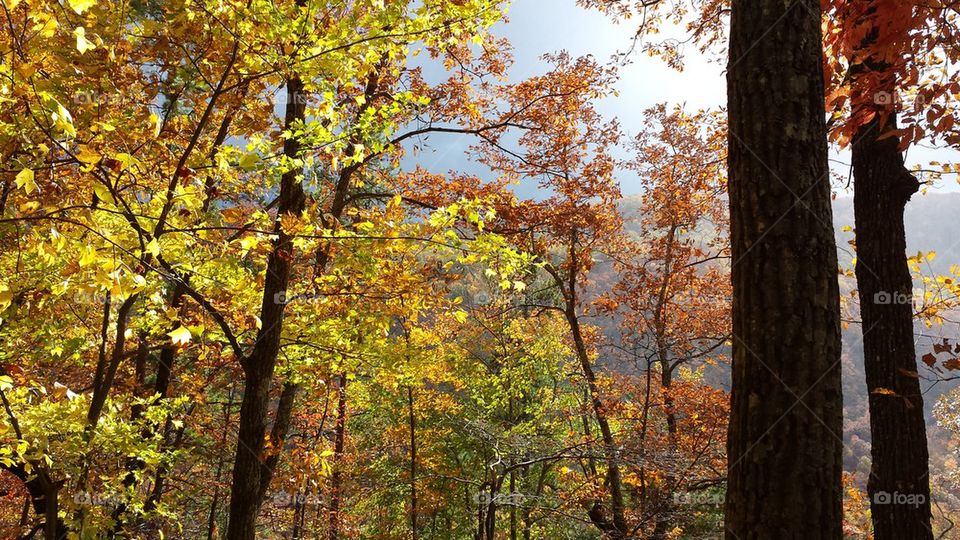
x: 249, y: 161
x: 157, y: 124
x: 929, y: 359
x: 884, y: 392
x: 180, y: 336
x: 6, y: 382
x: 87, y: 155
x: 81, y: 5
x: 153, y: 247
x: 6, y: 296
x: 908, y: 373
x: 83, y: 44
x: 952, y: 364
x: 25, y: 180
x: 46, y: 25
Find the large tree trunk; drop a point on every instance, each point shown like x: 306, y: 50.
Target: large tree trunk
x: 250, y: 474
x: 784, y: 446
x: 899, y: 485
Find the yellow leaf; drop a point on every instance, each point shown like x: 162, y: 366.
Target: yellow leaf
x: 249, y: 161
x: 153, y: 247
x: 25, y: 180
x: 931, y: 256
x: 45, y: 25
x: 6, y: 296
x: 83, y: 44
x: 81, y: 5
x: 88, y: 256
x: 87, y: 155
x: 29, y: 206
x: 249, y: 242
x: 180, y: 336
x: 290, y: 224
x: 157, y: 125
x: 102, y: 192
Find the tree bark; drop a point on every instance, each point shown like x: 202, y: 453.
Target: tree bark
x: 899, y: 486
x: 664, y: 517
x: 336, y: 475
x: 212, y: 516
x: 784, y: 447
x: 250, y: 474
x: 617, y: 527
x: 413, y: 464
x: 665, y: 512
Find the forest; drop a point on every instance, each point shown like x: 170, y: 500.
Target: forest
x: 242, y: 298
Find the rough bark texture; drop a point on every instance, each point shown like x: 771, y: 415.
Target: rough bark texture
x: 250, y: 475
x: 784, y: 450
x: 899, y: 484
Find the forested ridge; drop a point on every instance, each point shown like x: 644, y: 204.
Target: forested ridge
x: 233, y: 304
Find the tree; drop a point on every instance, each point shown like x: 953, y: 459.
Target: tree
x: 871, y: 38
x: 118, y: 182
x: 784, y: 446
x: 673, y: 287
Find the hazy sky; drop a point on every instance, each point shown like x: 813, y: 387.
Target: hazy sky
x: 536, y: 27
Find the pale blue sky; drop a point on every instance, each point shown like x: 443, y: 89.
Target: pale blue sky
x: 536, y: 27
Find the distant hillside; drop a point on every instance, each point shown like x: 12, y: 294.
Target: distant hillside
x: 932, y: 225
x: 931, y: 221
